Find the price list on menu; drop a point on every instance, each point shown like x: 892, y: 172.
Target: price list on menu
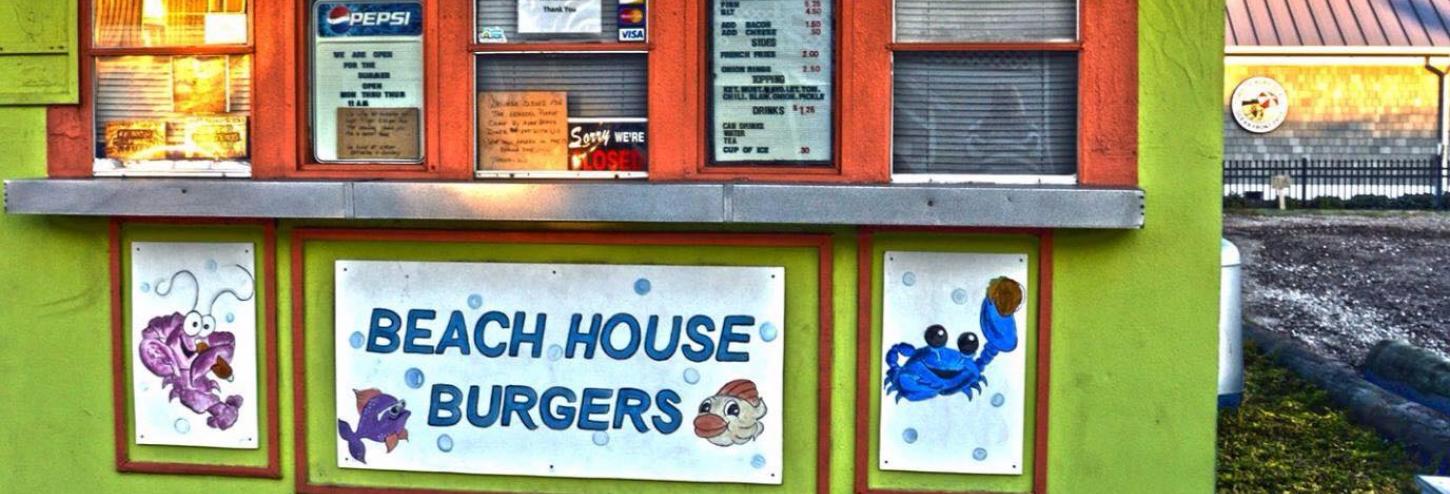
x: 772, y: 81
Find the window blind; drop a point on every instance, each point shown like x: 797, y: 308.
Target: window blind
x: 504, y: 15
x: 140, y: 87
x: 600, y: 85
x: 986, y: 20
x: 985, y: 113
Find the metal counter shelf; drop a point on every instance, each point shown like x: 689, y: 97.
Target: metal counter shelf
x: 954, y: 205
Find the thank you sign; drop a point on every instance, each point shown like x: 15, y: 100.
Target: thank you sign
x: 561, y: 370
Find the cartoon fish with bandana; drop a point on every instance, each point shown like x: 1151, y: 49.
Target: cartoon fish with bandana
x: 732, y: 416
x: 381, y: 418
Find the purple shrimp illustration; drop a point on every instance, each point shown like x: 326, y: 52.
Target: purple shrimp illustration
x: 184, y: 350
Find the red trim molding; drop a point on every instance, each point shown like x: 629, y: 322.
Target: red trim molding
x: 1107, y: 94
x: 124, y: 463
x: 822, y: 243
x: 865, y: 269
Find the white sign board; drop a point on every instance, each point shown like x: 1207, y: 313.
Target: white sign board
x: 367, y: 55
x: 560, y: 16
x: 193, y: 344
x: 561, y: 370
x: 772, y: 81
x: 954, y: 365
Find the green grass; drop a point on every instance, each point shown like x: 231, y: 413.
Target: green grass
x: 1288, y: 437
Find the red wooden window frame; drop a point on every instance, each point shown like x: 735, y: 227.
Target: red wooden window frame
x: 1107, y: 48
x: 1107, y: 96
x: 70, y: 143
x: 655, y: 108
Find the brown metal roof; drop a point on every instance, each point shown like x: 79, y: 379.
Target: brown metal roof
x: 1338, y: 23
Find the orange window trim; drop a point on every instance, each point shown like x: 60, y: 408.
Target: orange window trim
x: 678, y: 97
x: 70, y: 146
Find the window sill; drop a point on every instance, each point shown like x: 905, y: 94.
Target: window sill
x: 955, y: 205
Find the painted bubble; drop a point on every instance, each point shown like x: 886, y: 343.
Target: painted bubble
x: 356, y: 340
x: 758, y: 461
x: 556, y: 352
x: 908, y: 279
x: 641, y: 286
x: 998, y: 400
x: 145, y: 288
x: 182, y: 426
x: 231, y: 317
x: 601, y: 438
x: 413, y: 377
x: 475, y: 301
x: 768, y: 332
x: 445, y: 443
x: 979, y: 454
x: 211, y: 265
x: 692, y: 376
x: 959, y: 296
x: 909, y: 435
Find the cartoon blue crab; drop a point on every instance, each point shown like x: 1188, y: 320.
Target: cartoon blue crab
x: 939, y: 371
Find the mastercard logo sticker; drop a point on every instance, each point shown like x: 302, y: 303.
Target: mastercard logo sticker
x: 631, y: 16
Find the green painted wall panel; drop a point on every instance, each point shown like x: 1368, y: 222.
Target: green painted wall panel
x: 1134, y: 321
x: 38, y: 52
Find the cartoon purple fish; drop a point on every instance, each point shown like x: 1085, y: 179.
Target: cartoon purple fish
x: 381, y: 418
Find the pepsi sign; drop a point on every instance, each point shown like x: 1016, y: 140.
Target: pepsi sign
x: 356, y: 19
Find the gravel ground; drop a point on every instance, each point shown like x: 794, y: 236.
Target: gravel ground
x: 1341, y: 282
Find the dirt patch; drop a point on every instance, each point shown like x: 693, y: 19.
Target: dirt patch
x: 1342, y: 282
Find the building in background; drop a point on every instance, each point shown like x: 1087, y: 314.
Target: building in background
x: 1361, y: 98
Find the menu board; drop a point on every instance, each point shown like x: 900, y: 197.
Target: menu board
x: 772, y: 81
x: 367, y: 55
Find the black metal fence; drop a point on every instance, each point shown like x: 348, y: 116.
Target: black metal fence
x: 1330, y: 180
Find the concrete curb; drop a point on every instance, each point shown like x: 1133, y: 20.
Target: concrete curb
x: 1424, y: 431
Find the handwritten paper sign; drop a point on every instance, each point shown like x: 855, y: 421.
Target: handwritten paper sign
x: 561, y: 370
x: 136, y: 140
x: 523, y: 130
x: 378, y: 133
x: 213, y: 137
x: 199, y: 84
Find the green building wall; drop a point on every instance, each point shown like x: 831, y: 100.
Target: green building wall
x: 1134, y: 321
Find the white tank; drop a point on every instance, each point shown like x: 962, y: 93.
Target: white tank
x: 1230, y: 327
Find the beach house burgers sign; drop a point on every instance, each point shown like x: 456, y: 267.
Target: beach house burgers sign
x: 561, y: 370
x: 1260, y: 105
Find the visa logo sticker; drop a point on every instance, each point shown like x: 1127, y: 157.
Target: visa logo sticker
x: 631, y: 34
x: 369, y: 19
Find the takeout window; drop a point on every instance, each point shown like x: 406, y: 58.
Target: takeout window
x: 815, y: 91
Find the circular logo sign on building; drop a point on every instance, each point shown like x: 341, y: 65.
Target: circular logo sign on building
x: 1260, y: 105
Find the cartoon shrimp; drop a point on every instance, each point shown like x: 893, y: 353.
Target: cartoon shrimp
x: 184, y: 349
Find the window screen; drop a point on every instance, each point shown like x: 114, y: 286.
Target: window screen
x: 1009, y: 113
x: 986, y: 20
x: 172, y: 107
x: 562, y: 112
x: 498, y: 22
